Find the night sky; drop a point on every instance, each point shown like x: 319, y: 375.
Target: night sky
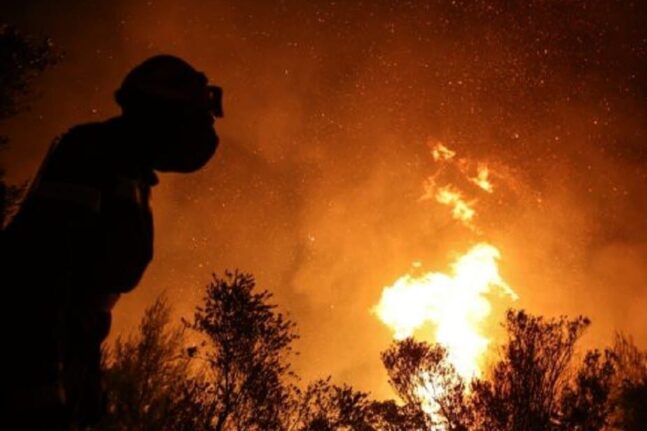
x: 330, y: 109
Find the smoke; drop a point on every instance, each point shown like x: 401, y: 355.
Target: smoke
x: 329, y: 107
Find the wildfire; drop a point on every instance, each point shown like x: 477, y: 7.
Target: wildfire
x: 455, y: 303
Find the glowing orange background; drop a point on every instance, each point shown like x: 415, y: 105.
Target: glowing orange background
x: 329, y: 107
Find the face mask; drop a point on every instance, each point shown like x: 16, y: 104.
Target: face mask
x: 184, y: 144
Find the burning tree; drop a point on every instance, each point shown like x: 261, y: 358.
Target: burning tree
x: 456, y: 303
x: 534, y: 385
x: 427, y: 382
x: 238, y: 377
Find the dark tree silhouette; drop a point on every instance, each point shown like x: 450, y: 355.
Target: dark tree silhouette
x: 22, y: 59
x: 247, y: 383
x: 145, y: 375
x: 631, y: 385
x: 246, y: 350
x: 531, y: 388
x: 390, y: 416
x: 323, y: 406
x: 586, y: 404
x: 237, y: 377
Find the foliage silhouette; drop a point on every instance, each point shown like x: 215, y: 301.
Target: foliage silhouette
x: 323, y: 406
x: 246, y: 350
x: 236, y: 376
x: 22, y: 58
x: 531, y: 386
x: 630, y: 388
x: 145, y: 376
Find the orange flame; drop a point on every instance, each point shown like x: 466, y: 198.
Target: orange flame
x: 461, y: 209
x: 456, y: 304
x: 441, y: 152
x: 482, y: 179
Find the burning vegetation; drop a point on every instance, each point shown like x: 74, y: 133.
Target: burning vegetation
x: 229, y: 368
x: 456, y: 305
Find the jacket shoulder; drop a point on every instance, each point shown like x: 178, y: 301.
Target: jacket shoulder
x: 78, y: 152
x: 83, y: 134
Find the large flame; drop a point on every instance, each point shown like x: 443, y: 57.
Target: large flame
x: 455, y: 303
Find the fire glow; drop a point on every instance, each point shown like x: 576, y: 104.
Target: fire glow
x: 461, y: 209
x: 478, y: 174
x: 455, y: 303
x: 482, y: 179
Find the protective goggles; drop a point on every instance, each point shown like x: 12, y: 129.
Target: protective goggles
x: 214, y: 101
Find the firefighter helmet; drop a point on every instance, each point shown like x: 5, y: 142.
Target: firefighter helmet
x: 172, y: 103
x: 168, y: 79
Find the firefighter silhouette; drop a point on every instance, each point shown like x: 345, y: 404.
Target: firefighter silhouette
x: 84, y: 236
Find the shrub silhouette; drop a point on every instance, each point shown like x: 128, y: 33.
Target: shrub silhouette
x: 236, y: 375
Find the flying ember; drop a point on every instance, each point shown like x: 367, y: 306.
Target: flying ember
x: 482, y: 179
x: 461, y: 209
x: 441, y: 152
